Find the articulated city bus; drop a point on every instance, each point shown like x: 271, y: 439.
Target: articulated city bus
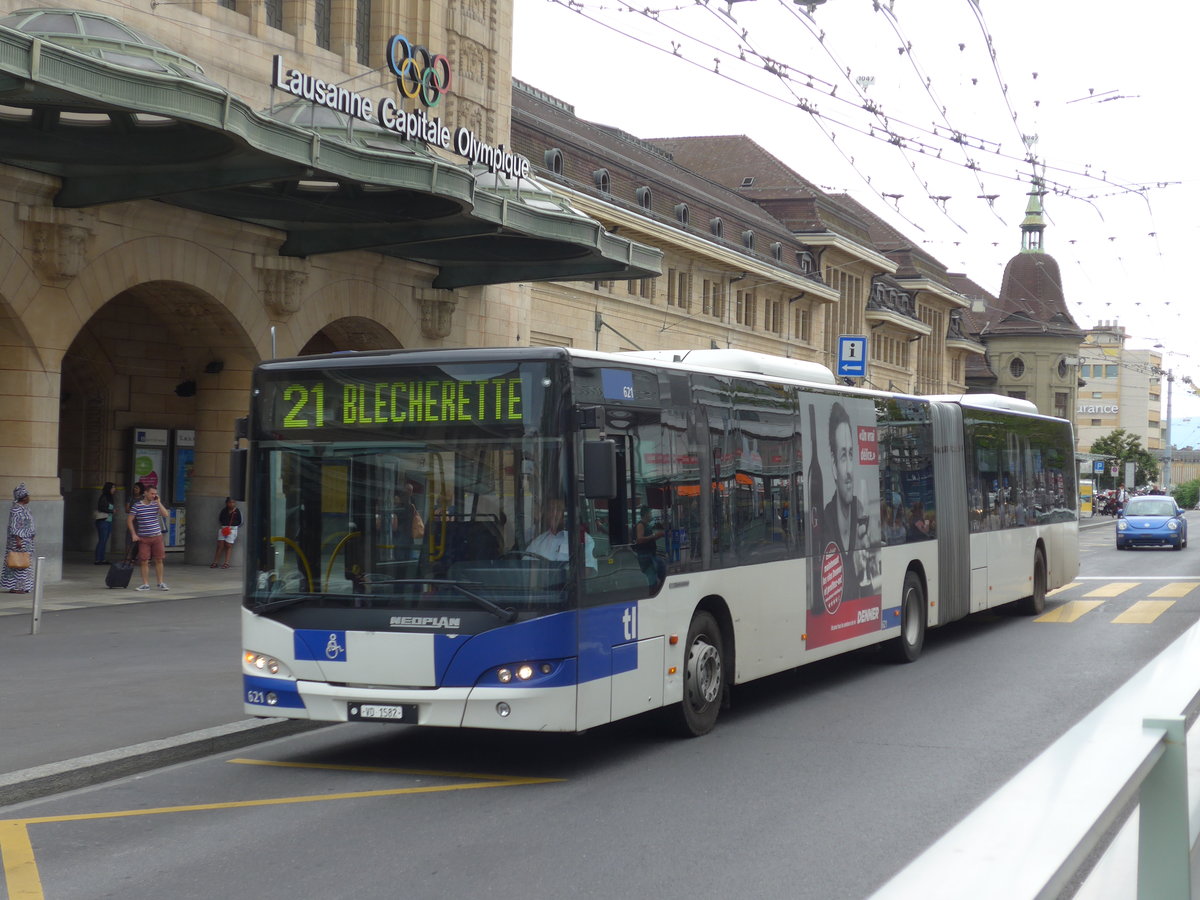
x: 553, y: 539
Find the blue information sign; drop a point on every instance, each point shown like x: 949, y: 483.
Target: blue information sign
x: 852, y: 355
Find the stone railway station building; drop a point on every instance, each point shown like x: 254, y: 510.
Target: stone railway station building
x: 189, y: 188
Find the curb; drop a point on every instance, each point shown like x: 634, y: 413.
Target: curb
x: 85, y: 771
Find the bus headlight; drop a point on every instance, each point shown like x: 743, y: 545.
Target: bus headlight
x: 525, y: 671
x: 256, y: 663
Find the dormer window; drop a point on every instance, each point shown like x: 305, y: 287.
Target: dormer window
x: 748, y: 239
x: 600, y: 177
x: 717, y: 227
x: 554, y: 160
x: 777, y: 251
x: 682, y: 215
x: 748, y: 181
x: 644, y: 198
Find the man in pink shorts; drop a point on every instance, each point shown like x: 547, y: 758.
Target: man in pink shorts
x: 145, y: 529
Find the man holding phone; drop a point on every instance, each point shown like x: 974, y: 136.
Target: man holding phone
x: 145, y: 530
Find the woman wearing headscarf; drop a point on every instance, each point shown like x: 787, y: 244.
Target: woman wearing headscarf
x: 20, y: 537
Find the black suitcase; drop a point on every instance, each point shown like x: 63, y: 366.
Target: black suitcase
x: 119, y: 574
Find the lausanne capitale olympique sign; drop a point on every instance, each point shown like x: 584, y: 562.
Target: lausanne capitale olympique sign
x: 422, y: 77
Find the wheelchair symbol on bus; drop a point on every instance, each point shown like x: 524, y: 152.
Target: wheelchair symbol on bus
x: 334, y: 650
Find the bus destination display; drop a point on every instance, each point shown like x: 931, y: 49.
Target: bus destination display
x: 329, y: 403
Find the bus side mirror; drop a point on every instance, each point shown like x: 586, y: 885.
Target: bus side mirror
x: 238, y: 464
x: 599, y: 469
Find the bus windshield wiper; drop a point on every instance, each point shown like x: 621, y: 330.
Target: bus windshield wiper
x: 504, y: 614
x: 283, y: 602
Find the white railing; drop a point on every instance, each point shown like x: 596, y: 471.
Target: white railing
x: 1031, y: 838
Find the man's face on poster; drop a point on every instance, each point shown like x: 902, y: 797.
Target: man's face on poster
x: 843, y: 462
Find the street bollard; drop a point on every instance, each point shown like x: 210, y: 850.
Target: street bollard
x: 37, y: 595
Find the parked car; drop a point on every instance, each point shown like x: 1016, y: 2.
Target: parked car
x: 1151, y: 521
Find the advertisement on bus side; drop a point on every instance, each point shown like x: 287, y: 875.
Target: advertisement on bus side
x: 844, y: 535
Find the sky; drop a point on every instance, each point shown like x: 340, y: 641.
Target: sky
x: 935, y: 114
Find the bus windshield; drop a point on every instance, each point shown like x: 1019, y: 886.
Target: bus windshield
x: 462, y: 511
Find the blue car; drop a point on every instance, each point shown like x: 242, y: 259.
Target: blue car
x: 1151, y: 521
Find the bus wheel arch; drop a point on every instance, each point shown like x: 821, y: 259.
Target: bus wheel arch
x: 707, y: 664
x: 1035, y: 603
x: 906, y: 647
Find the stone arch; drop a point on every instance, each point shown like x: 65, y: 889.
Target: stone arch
x: 167, y: 260
x: 160, y: 354
x: 353, y: 314
x: 350, y: 333
x: 19, y: 288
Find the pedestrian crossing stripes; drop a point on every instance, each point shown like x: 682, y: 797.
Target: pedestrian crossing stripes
x: 1069, y: 611
x: 1141, y: 611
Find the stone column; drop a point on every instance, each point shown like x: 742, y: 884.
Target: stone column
x: 29, y: 443
x: 221, y: 397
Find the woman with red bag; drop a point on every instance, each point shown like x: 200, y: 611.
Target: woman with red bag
x: 227, y: 531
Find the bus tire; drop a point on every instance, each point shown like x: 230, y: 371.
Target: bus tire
x: 1035, y: 603
x: 907, y: 647
x: 703, y: 677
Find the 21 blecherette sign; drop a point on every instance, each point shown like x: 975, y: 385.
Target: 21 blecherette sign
x: 422, y: 77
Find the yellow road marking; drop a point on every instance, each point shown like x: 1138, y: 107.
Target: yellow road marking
x: 1065, y: 587
x: 1069, y: 611
x: 20, y: 865
x: 1175, y: 589
x: 435, y: 773
x: 1112, y: 589
x: 1143, y: 612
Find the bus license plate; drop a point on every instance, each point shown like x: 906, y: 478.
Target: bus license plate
x: 382, y: 712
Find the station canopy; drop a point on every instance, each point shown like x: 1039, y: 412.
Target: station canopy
x: 116, y: 116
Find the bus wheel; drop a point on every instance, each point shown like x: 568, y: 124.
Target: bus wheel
x: 1035, y: 603
x: 907, y: 647
x: 703, y: 677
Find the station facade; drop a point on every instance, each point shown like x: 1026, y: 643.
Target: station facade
x: 171, y: 219
x: 313, y: 178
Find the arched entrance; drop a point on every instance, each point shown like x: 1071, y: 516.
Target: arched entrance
x: 169, y: 359
x: 350, y: 333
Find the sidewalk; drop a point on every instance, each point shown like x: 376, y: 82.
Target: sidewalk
x: 118, y: 682
x: 82, y: 585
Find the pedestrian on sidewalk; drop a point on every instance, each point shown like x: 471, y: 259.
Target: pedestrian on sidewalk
x: 136, y: 492
x: 146, y: 531
x: 103, y: 514
x: 21, y: 532
x: 228, y: 523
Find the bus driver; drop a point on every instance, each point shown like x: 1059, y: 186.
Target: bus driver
x: 554, y: 543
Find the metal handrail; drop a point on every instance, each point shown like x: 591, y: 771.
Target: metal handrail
x: 1031, y: 838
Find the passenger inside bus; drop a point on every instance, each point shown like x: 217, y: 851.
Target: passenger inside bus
x: 645, y: 545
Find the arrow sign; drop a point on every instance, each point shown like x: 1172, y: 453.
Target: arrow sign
x: 852, y: 355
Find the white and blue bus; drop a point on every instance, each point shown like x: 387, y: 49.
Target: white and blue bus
x: 548, y: 539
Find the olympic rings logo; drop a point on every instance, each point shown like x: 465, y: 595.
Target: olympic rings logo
x: 418, y: 72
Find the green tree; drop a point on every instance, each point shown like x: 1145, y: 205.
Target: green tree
x: 1125, y: 447
x: 1187, y: 494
